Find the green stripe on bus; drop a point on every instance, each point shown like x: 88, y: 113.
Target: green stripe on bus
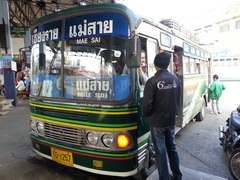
x: 84, y: 108
x: 85, y: 123
x: 142, y: 143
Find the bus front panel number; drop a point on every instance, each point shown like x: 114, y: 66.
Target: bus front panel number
x: 62, y: 157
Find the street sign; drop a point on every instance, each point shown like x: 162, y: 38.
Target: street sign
x: 6, y: 60
x: 18, y: 30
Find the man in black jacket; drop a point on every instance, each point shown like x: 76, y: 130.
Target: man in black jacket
x: 160, y: 102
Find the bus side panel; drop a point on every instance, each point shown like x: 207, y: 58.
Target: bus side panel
x: 194, y: 89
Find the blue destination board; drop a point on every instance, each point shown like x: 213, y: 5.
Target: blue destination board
x: 96, y: 25
x: 47, y: 32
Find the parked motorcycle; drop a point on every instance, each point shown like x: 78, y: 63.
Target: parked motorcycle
x: 230, y: 140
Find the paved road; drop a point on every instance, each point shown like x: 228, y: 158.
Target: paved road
x: 198, y: 144
x: 198, y: 147
x: 198, y: 141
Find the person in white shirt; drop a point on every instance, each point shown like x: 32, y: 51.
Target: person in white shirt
x: 143, y: 77
x: 1, y: 82
x: 21, y: 85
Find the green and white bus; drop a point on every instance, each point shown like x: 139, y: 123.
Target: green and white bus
x: 85, y: 102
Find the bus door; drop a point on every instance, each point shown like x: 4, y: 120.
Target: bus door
x: 178, y: 71
x: 150, y: 48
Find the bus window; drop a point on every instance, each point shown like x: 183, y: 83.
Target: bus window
x: 152, y: 50
x: 202, y: 54
x: 198, y: 68
x: 206, y: 64
x: 186, y: 48
x: 96, y: 70
x: 143, y: 69
x: 202, y: 67
x: 165, y: 40
x: 192, y: 66
x: 192, y: 50
x: 198, y: 52
x: 186, y: 66
x: 176, y: 63
x: 46, y: 71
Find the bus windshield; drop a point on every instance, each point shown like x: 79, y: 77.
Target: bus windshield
x: 90, y: 67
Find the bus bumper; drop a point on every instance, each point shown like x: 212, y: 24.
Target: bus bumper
x: 111, y: 164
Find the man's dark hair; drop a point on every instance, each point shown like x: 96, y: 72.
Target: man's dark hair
x: 215, y: 76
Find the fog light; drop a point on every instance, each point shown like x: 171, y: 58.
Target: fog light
x: 98, y: 164
x: 37, y: 146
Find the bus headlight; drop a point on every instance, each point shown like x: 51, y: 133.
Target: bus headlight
x: 40, y: 128
x: 92, y: 138
x: 108, y: 140
x: 32, y: 125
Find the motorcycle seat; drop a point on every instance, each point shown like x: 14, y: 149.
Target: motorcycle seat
x: 235, y: 120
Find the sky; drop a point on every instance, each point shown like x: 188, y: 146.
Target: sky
x: 191, y: 14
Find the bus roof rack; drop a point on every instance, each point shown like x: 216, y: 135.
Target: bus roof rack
x: 174, y: 25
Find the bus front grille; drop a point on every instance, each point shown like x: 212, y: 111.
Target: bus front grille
x: 64, y: 133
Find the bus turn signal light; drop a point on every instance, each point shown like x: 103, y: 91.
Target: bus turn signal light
x: 123, y: 141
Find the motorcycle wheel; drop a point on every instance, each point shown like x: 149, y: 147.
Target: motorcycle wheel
x: 234, y: 164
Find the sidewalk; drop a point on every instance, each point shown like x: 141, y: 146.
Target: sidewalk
x: 189, y: 174
x: 5, y: 108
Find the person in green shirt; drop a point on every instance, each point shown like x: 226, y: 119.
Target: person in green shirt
x: 216, y: 89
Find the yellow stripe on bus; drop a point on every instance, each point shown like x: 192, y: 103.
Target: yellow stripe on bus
x: 84, y: 126
x: 85, y: 111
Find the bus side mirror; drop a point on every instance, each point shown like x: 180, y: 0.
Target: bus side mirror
x: 133, y: 53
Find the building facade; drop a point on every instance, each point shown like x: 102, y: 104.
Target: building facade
x: 222, y: 39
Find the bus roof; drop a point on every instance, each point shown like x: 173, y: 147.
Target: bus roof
x: 102, y: 7
x: 134, y: 19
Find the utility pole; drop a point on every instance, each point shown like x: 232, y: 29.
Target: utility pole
x: 7, y: 52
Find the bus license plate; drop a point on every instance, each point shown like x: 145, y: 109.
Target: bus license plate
x: 62, y: 157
